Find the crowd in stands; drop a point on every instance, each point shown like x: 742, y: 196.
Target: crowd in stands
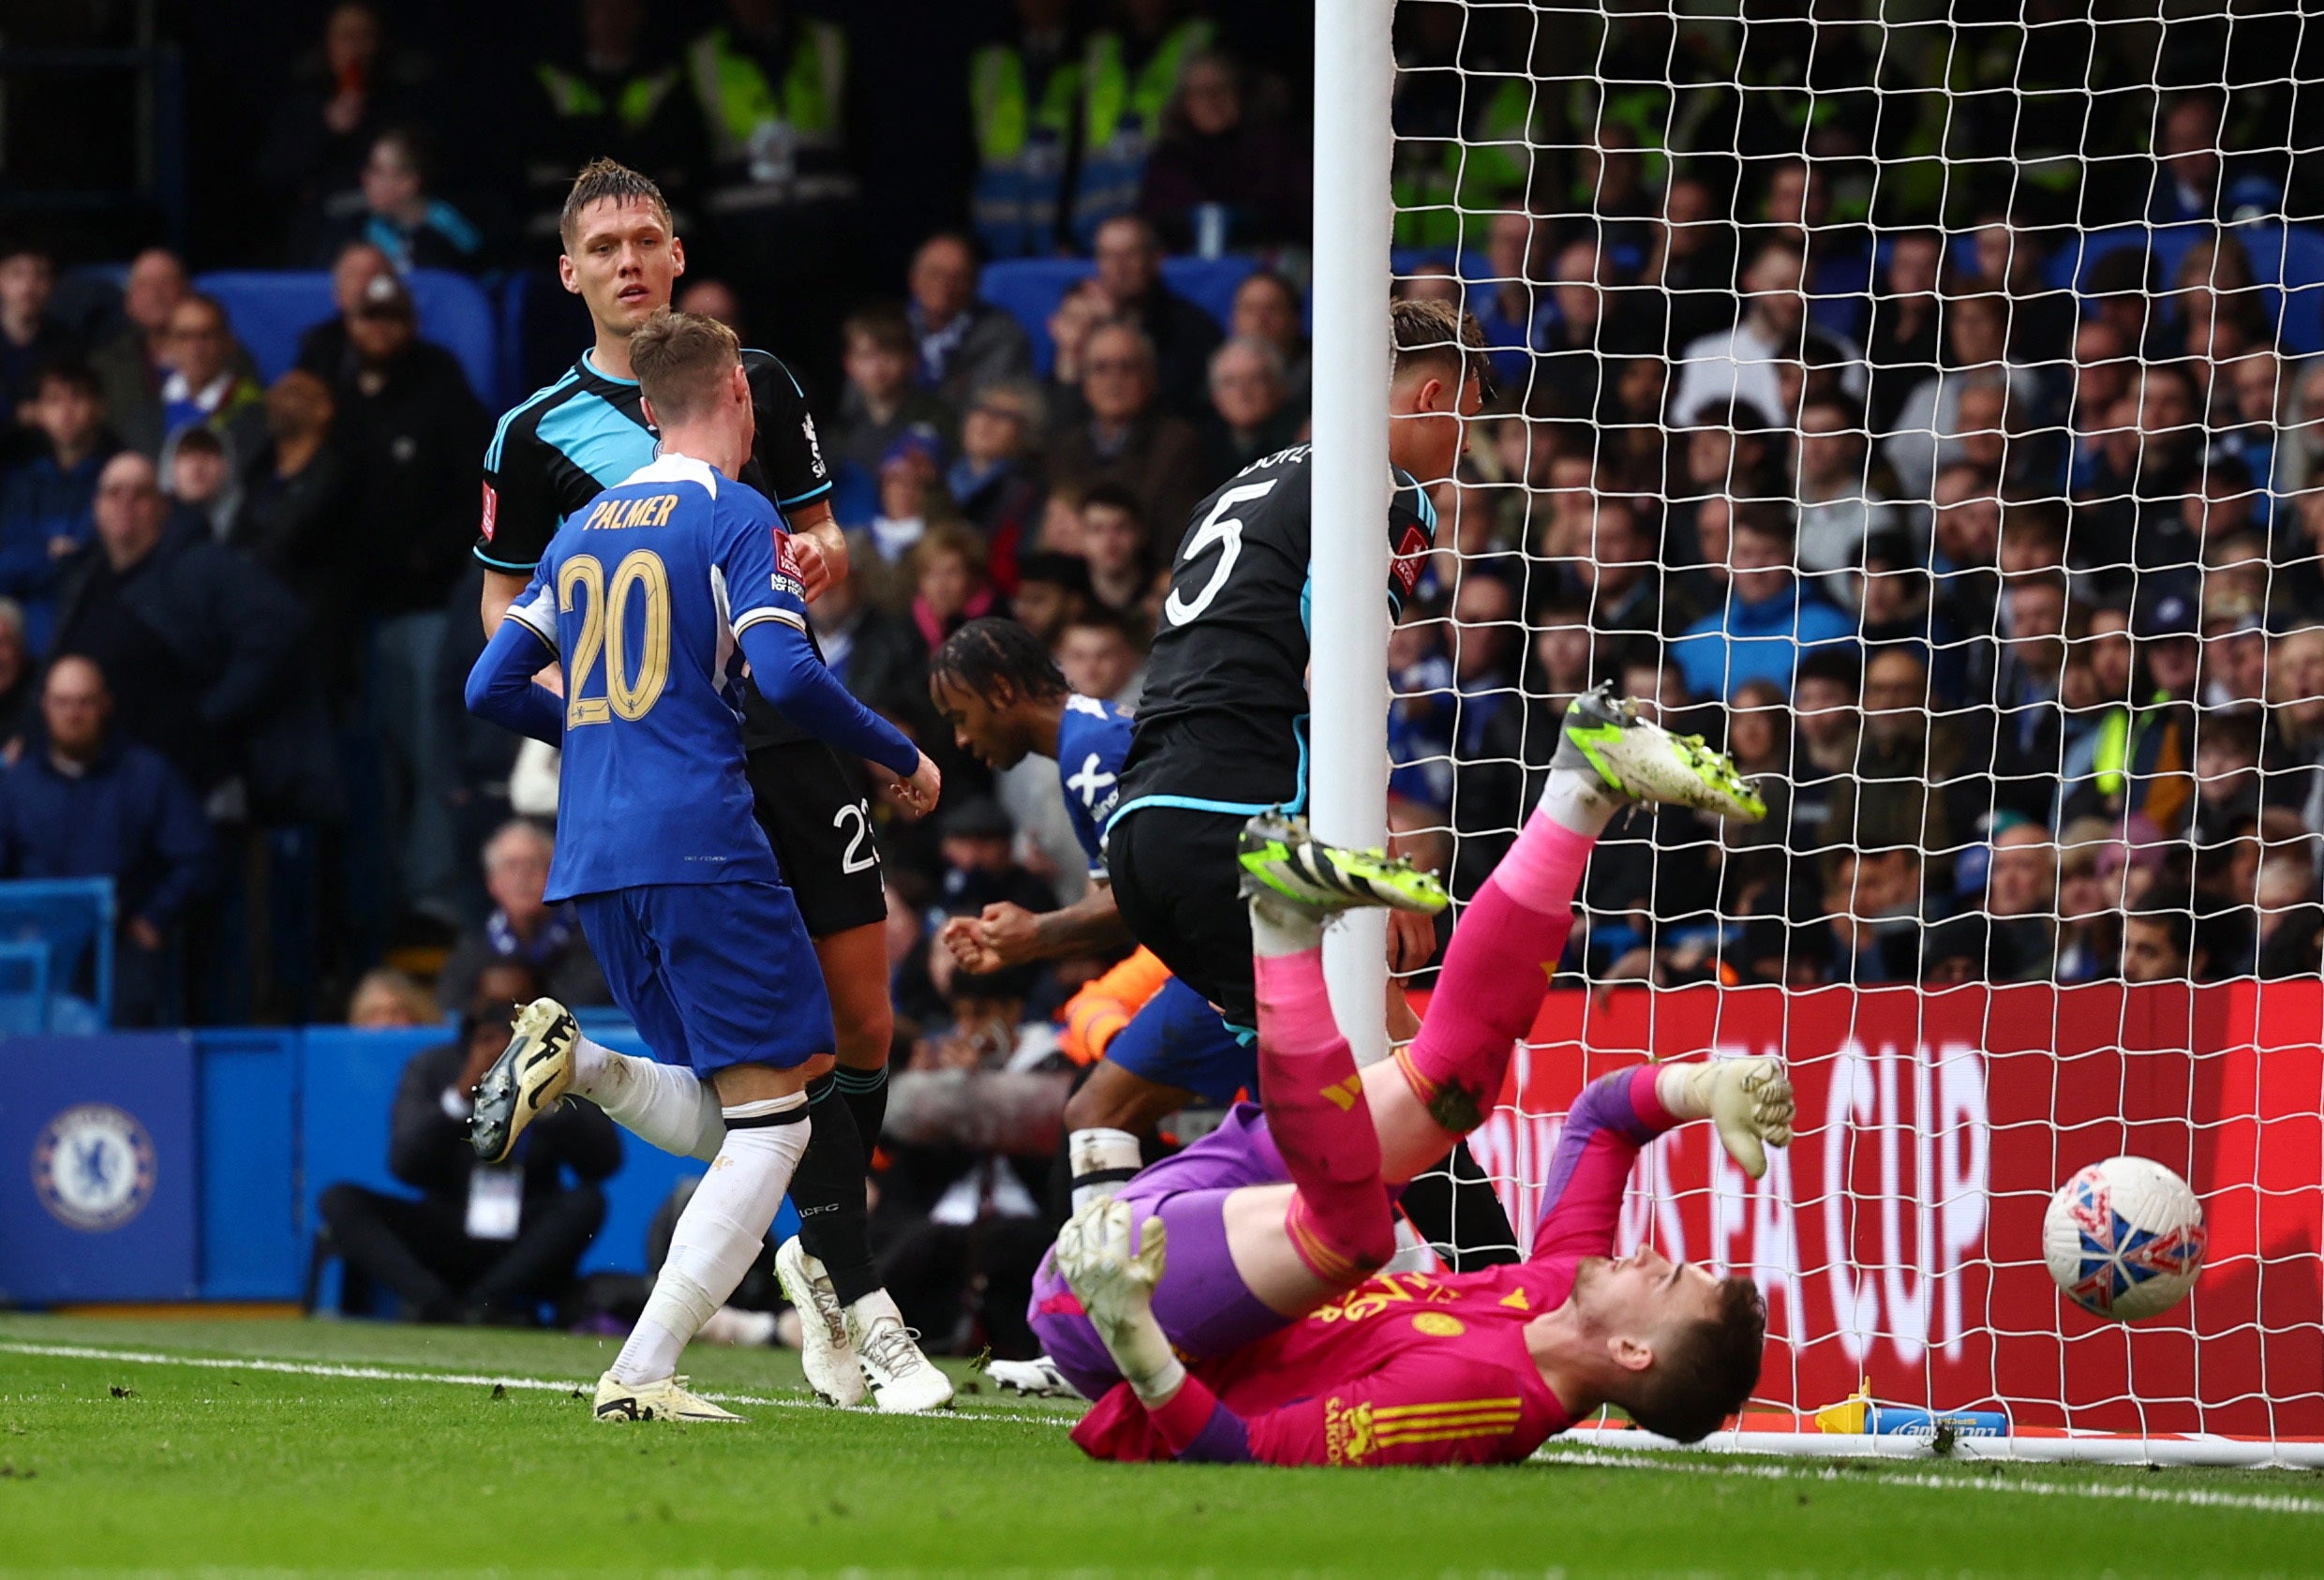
x: 2011, y: 591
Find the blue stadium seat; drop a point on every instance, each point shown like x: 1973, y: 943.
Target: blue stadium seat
x: 1466, y: 261
x: 272, y: 308
x: 2289, y: 260
x: 541, y: 329
x: 2069, y: 267
x: 71, y: 922
x: 1029, y: 289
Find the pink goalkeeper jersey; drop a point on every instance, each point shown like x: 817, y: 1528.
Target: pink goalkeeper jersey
x: 1409, y: 1369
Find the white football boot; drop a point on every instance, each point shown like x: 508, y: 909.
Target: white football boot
x: 904, y: 1380
x: 1036, y: 1378
x: 524, y: 1082
x: 666, y: 1400
x: 825, y: 1354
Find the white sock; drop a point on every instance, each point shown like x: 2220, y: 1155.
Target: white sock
x: 1281, y: 928
x: 718, y: 1236
x: 664, y: 1104
x: 589, y: 1065
x: 1579, y: 799
x: 1102, y: 1160
x: 874, y: 1306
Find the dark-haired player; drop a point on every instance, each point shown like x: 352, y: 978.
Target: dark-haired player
x: 551, y: 455
x: 996, y: 684
x: 1225, y: 1306
x: 1222, y: 724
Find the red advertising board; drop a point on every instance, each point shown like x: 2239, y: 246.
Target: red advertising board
x: 1900, y: 1236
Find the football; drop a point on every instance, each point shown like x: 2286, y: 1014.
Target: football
x: 2125, y: 1239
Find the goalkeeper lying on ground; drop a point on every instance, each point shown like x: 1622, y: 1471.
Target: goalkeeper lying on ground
x: 1293, y: 1353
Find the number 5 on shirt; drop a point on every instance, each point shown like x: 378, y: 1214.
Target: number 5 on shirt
x: 604, y: 610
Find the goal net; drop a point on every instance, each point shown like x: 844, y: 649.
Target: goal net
x: 1926, y: 411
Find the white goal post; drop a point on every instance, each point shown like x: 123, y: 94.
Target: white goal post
x: 1355, y: 70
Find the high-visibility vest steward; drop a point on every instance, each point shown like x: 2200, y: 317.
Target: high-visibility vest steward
x: 1023, y: 136
x: 1121, y: 115
x: 775, y: 141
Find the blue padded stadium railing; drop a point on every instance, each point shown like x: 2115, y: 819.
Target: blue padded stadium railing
x: 2069, y: 266
x: 2287, y: 260
x: 1031, y: 287
x: 23, y: 989
x: 71, y: 922
x: 270, y: 309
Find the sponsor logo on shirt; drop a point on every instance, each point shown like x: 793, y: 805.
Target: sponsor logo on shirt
x: 814, y: 446
x: 787, y: 576
x: 1347, y: 1436
x: 1406, y: 569
x: 492, y: 512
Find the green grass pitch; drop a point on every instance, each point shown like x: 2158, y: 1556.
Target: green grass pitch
x: 279, y: 1454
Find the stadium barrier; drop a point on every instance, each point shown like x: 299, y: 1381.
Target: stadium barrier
x: 1898, y: 1238
x: 181, y: 1166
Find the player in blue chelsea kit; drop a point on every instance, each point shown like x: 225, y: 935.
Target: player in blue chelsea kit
x: 650, y: 597
x: 1004, y: 699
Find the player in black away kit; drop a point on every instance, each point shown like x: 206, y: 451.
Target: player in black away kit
x: 1222, y: 724
x: 556, y: 452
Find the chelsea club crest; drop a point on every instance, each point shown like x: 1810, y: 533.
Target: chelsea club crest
x: 93, y: 1167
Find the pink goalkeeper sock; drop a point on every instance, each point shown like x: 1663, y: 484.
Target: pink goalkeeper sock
x: 1294, y: 1005
x: 1495, y: 971
x: 1543, y: 871
x: 1341, y: 1222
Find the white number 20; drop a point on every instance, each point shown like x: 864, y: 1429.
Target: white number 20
x: 1227, y: 532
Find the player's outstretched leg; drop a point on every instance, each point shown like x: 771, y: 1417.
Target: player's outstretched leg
x: 1506, y: 949
x: 1341, y: 1221
x: 548, y: 1058
x: 717, y: 1238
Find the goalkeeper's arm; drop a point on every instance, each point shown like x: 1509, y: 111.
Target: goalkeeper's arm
x: 1615, y: 1115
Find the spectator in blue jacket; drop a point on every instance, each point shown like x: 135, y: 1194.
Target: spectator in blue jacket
x: 82, y: 804
x: 1770, y: 618
x: 46, y: 502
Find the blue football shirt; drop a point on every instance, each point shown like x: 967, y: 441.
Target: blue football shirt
x: 642, y: 595
x: 1092, y: 737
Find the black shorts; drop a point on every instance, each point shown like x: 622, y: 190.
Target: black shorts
x: 816, y: 810
x: 1179, y: 887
